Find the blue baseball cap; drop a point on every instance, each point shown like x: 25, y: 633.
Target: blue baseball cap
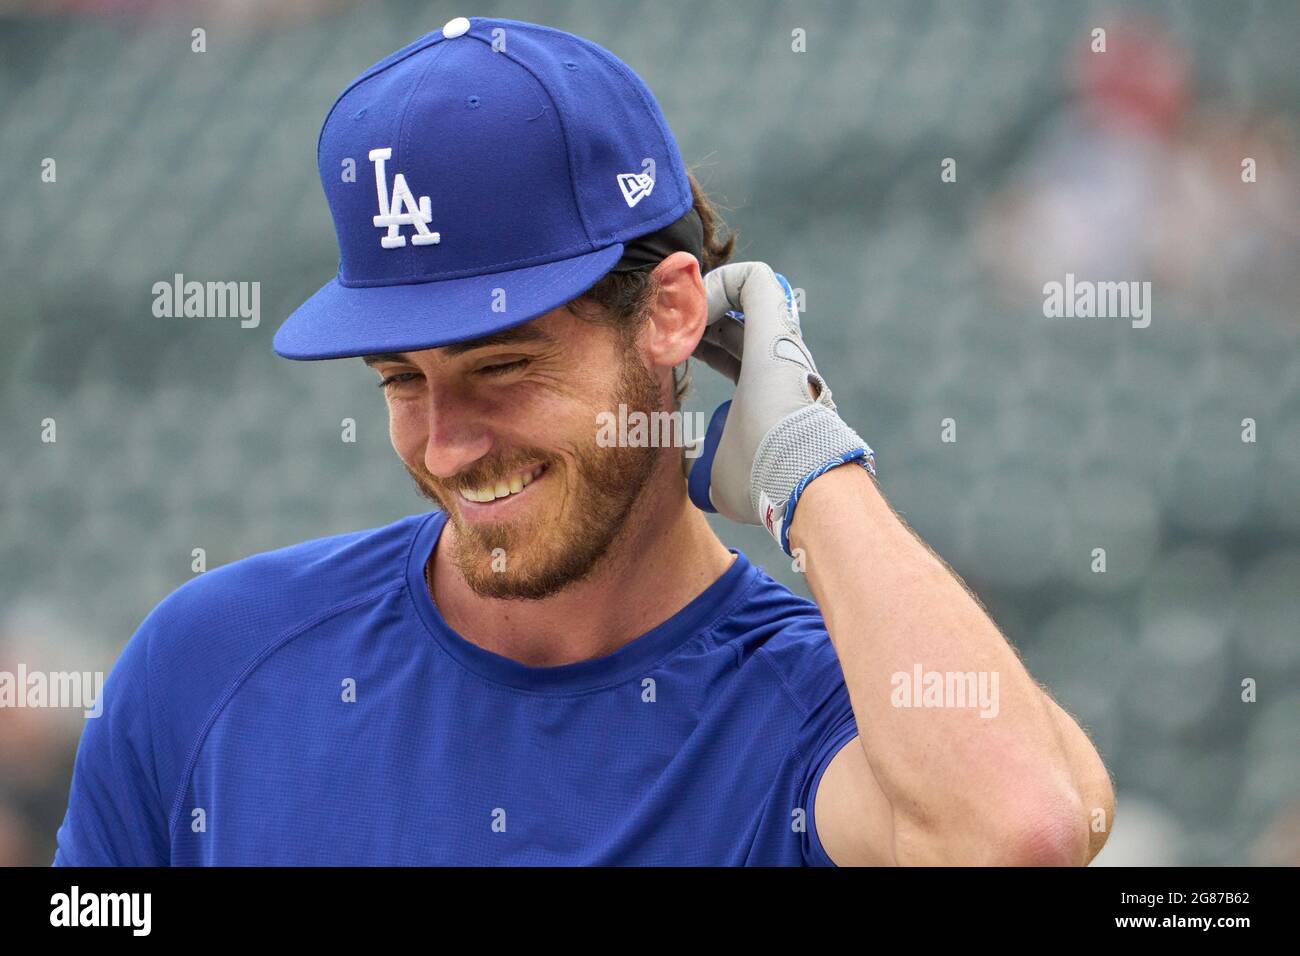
x: 479, y: 177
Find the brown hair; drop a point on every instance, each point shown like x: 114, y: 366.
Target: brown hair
x: 622, y: 299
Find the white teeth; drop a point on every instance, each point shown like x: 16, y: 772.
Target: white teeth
x: 503, y: 489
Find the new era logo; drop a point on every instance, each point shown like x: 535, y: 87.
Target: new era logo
x: 635, y: 186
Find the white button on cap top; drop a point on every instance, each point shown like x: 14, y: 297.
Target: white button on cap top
x: 456, y: 28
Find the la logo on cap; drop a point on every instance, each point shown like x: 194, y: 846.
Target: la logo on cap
x: 416, y: 214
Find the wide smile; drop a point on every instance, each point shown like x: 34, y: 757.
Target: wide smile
x: 502, y: 500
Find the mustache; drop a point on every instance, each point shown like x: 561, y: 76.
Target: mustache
x: 477, y: 476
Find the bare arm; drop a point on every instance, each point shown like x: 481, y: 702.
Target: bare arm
x: 1009, y: 780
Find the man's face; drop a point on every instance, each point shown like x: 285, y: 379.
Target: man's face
x: 501, y: 434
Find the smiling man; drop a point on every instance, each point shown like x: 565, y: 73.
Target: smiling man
x: 499, y: 432
x: 562, y: 664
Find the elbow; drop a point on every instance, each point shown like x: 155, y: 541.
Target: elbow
x: 1102, y: 816
x: 1050, y: 841
x: 1049, y: 833
x: 1069, y: 822
x: 1057, y: 832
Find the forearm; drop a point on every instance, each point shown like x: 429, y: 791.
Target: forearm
x: 964, y: 787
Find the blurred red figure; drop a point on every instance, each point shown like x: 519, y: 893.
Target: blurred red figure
x: 1134, y: 180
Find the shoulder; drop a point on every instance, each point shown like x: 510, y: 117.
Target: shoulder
x: 782, y: 638
x: 198, y: 641
x: 352, y: 563
x: 180, y: 667
x: 274, y: 590
x: 785, y: 633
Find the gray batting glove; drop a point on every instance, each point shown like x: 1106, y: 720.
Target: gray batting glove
x: 780, y: 430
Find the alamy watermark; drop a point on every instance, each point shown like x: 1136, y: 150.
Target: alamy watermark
x: 53, y: 689
x: 129, y: 910
x: 946, y: 689
x: 208, y: 300
x: 1085, y: 299
x: 637, y: 429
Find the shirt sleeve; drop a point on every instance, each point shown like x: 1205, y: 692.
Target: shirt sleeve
x: 827, y: 729
x: 115, y: 815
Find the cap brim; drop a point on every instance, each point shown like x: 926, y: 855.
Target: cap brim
x: 344, y: 321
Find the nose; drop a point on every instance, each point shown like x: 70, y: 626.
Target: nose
x: 457, y: 437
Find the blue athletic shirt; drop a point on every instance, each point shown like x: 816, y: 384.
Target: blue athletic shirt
x: 309, y: 706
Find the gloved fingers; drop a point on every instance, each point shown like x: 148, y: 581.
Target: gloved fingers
x: 719, y: 359
x: 719, y: 286
x: 766, y: 300
x: 729, y: 334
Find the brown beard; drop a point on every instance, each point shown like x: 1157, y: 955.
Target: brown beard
x: 546, y: 554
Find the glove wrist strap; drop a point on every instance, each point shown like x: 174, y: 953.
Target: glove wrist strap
x: 802, y: 446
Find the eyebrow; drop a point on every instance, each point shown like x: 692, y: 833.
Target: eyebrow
x: 518, y: 335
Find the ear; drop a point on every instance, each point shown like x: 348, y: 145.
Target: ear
x: 678, y: 313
